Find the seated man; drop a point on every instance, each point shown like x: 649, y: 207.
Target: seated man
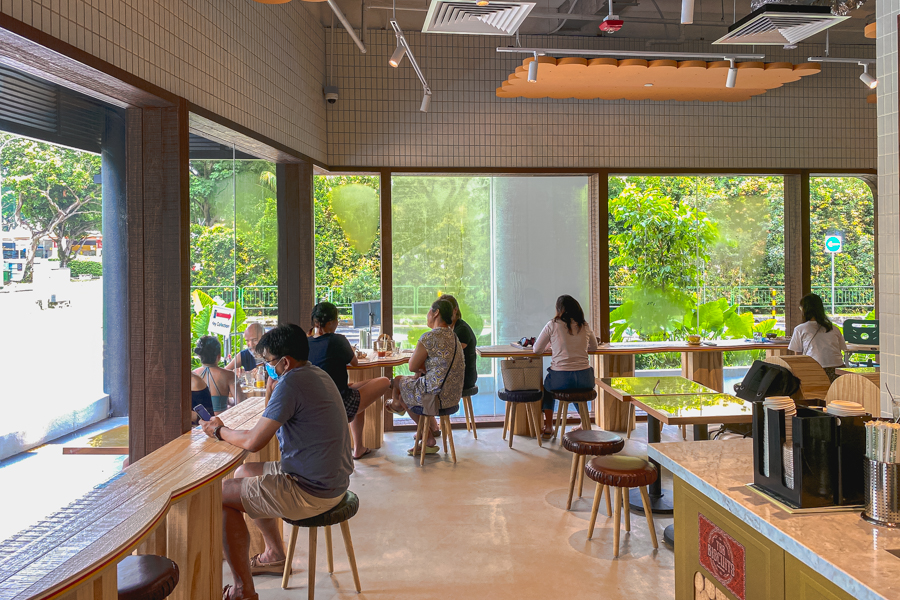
x: 246, y: 358
x: 306, y: 412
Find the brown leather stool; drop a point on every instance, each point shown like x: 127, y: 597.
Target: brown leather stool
x: 588, y: 443
x: 578, y: 397
x: 622, y: 472
x: 146, y: 577
x: 531, y: 399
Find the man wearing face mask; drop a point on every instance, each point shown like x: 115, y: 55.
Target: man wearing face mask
x: 307, y: 414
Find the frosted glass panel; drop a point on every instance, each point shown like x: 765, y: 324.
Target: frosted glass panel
x: 541, y: 250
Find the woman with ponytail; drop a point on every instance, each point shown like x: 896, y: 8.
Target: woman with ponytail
x: 221, y: 383
x: 818, y: 337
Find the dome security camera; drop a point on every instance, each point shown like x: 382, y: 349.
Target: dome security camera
x: 331, y: 94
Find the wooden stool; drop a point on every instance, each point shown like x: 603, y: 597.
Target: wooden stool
x: 588, y: 443
x: 531, y: 399
x: 578, y: 397
x: 146, y: 577
x: 467, y: 407
x: 446, y: 430
x: 341, y: 513
x: 621, y: 473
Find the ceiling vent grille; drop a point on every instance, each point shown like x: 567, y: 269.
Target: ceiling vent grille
x: 466, y: 17
x: 780, y: 24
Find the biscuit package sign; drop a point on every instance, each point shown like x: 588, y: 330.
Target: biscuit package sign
x: 723, y: 557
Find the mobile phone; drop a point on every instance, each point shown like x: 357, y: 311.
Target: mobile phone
x: 202, y: 412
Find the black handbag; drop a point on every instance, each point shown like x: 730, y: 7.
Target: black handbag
x: 764, y: 380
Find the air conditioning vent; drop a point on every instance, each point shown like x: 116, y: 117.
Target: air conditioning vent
x: 466, y: 17
x: 780, y: 24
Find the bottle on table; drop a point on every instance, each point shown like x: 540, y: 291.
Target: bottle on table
x: 260, y: 378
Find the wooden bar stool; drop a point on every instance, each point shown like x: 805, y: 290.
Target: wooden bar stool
x: 467, y: 407
x: 146, y: 577
x: 446, y: 430
x: 621, y: 473
x: 588, y: 443
x: 531, y: 399
x: 578, y: 397
x: 341, y: 513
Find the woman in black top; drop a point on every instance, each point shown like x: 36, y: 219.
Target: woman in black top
x: 331, y: 352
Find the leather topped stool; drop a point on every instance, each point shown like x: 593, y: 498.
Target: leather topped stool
x: 621, y: 473
x: 588, y: 443
x: 531, y: 399
x: 578, y: 397
x: 341, y: 513
x: 446, y: 430
x: 467, y: 407
x: 146, y: 577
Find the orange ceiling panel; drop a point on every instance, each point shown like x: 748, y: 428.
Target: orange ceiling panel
x: 611, y: 79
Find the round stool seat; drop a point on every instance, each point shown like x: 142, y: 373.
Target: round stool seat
x: 521, y: 395
x: 444, y: 412
x: 592, y: 443
x: 621, y: 471
x: 146, y: 577
x: 469, y: 392
x: 582, y: 395
x: 343, y: 511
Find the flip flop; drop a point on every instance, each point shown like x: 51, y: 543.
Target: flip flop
x: 225, y: 595
x: 257, y: 567
x: 389, y: 407
x: 428, y: 450
x: 368, y: 450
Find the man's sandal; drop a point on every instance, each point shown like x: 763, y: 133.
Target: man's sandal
x: 428, y: 450
x: 258, y: 567
x: 225, y: 595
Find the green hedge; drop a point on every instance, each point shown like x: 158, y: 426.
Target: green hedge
x: 85, y: 267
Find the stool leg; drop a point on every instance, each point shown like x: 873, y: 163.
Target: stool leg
x: 626, y: 505
x: 631, y: 417
x: 594, y: 508
x: 472, y: 416
x: 423, y: 424
x: 512, y: 421
x: 466, y: 413
x: 328, y: 548
x: 559, y: 420
x: 313, y: 537
x: 617, y: 519
x: 585, y: 417
x: 444, y: 432
x: 351, y: 556
x: 535, y: 420
x: 289, y: 557
x: 448, y: 434
x: 648, y: 512
x: 506, y: 420
x: 608, y: 502
x: 572, y: 475
x: 583, y: 458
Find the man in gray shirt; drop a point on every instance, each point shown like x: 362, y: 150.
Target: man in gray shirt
x: 307, y: 414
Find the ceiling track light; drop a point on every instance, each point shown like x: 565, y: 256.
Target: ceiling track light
x: 870, y: 81
x: 401, y: 41
x: 398, y: 54
x: 687, y: 12
x: 533, y: 69
x: 732, y: 75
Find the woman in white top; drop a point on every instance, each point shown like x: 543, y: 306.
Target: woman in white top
x: 818, y: 337
x: 569, y: 337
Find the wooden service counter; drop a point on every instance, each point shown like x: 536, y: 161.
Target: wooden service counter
x: 703, y: 363
x: 373, y: 432
x: 733, y: 543
x: 169, y: 502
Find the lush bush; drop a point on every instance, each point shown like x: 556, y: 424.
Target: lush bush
x: 85, y: 267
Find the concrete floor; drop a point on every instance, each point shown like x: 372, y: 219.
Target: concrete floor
x: 491, y: 526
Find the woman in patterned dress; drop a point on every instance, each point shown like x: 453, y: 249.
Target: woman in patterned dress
x: 438, y: 359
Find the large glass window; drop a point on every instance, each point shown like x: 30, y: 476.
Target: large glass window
x: 695, y: 255
x: 506, y: 247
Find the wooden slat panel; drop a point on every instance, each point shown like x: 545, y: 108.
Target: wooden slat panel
x: 387, y: 265
x: 307, y: 249
x: 796, y: 246
x: 288, y: 243
x: 135, y: 233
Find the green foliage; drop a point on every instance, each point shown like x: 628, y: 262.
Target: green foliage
x: 356, y: 209
x: 85, y: 267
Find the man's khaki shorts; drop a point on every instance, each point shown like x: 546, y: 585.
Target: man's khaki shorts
x: 275, y: 494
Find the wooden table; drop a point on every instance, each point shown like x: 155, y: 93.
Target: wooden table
x: 873, y: 374
x: 168, y: 502
x: 373, y: 432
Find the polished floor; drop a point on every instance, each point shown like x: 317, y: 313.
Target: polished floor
x: 491, y: 526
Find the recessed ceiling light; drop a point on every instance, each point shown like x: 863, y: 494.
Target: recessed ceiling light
x: 648, y: 85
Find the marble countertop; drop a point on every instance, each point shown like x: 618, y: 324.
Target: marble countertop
x: 841, y: 547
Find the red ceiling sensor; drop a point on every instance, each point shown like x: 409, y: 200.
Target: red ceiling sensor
x: 611, y: 24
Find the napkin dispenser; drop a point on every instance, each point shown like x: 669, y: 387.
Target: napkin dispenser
x: 828, y: 454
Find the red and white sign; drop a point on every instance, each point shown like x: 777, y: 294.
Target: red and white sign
x: 723, y: 557
x: 220, y: 320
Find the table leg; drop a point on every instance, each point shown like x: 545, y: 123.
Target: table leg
x: 705, y: 368
x: 660, y: 502
x: 373, y: 432
x: 701, y: 432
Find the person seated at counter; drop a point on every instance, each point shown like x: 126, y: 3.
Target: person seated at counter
x: 306, y: 413
x: 331, y: 352
x: 246, y: 360
x: 817, y: 336
x: 200, y: 395
x: 222, y: 384
x: 570, y: 339
x: 439, y: 367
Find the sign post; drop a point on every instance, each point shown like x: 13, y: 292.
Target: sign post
x: 833, y: 245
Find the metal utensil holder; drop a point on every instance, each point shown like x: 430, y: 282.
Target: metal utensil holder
x: 882, y: 493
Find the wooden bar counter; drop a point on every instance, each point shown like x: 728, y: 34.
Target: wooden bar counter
x: 734, y: 543
x: 170, y: 500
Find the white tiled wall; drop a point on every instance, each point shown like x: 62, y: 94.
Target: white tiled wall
x: 820, y: 122
x: 259, y: 65
x: 888, y: 199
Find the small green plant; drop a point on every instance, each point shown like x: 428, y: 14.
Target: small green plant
x: 85, y: 267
